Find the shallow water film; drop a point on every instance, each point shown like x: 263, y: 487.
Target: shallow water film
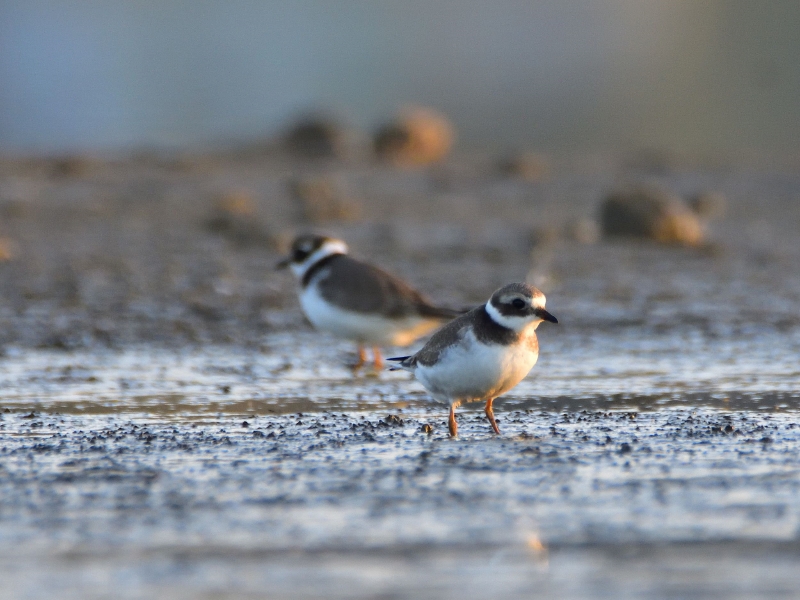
x: 171, y: 427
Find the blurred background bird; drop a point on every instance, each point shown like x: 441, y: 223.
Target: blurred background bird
x: 355, y: 300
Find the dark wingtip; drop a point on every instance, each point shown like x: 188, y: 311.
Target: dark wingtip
x: 398, y: 359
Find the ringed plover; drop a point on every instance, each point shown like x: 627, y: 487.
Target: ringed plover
x: 355, y: 300
x: 483, y: 353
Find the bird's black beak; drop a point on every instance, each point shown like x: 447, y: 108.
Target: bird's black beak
x: 544, y: 315
x: 283, y: 264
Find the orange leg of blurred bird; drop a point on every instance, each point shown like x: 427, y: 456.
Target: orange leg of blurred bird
x: 378, y: 359
x: 490, y: 415
x: 451, y: 423
x: 362, y: 358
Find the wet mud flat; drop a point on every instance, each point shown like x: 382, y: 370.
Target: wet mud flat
x: 171, y: 427
x: 586, y: 503
x: 229, y: 473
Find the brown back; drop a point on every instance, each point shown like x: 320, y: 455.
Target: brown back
x: 361, y: 287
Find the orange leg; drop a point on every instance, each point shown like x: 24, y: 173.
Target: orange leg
x: 376, y: 354
x: 451, y: 423
x: 490, y: 415
x: 362, y: 358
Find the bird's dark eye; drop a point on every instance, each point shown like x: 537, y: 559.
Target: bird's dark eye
x: 518, y: 303
x: 300, y: 255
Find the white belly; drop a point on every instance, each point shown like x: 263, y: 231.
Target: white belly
x: 362, y: 327
x: 474, y: 371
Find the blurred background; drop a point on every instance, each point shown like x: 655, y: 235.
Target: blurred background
x: 162, y: 154
x: 170, y: 424
x: 704, y: 79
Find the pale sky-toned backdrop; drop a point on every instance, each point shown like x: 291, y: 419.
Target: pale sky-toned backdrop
x: 680, y: 75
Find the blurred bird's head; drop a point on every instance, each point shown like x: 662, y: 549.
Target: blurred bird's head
x: 308, y: 249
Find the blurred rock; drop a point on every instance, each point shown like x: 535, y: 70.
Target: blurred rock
x: 8, y: 249
x: 73, y: 165
x: 234, y: 217
x: 316, y: 137
x: 529, y: 166
x: 419, y: 136
x: 322, y: 199
x: 709, y: 205
x: 651, y: 213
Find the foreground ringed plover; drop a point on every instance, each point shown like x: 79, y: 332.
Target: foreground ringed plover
x: 483, y: 353
x: 355, y: 300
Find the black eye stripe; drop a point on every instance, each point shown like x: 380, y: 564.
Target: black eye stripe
x: 302, y: 249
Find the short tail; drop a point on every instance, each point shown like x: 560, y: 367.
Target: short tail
x: 404, y: 362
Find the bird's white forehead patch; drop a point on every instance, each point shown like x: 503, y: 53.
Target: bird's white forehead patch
x: 331, y: 246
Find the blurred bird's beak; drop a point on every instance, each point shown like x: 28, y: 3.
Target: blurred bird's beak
x: 544, y: 315
x: 283, y: 264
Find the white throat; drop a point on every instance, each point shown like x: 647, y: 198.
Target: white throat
x: 514, y: 323
x: 328, y: 248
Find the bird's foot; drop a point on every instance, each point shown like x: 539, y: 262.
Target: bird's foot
x: 360, y: 361
x: 490, y: 415
x: 377, y: 359
x: 451, y: 422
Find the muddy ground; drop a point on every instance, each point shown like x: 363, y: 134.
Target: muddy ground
x: 171, y: 427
